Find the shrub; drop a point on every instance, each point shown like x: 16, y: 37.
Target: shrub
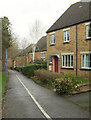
x: 75, y: 79
x: 47, y: 77
x: 11, y: 68
x: 28, y: 70
x: 40, y: 61
x: 18, y: 69
x: 68, y: 83
x: 64, y: 85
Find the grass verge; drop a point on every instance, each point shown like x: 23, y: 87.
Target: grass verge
x: 3, y: 79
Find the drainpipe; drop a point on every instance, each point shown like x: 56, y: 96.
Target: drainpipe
x: 76, y: 52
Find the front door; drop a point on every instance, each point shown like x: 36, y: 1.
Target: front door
x: 56, y: 64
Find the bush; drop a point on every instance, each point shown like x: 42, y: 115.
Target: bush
x: 29, y: 69
x: 11, y: 68
x: 47, y: 77
x: 64, y: 85
x: 68, y: 83
x: 75, y: 79
x: 40, y: 61
x: 18, y: 69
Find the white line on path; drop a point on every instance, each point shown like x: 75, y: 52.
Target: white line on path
x: 38, y: 105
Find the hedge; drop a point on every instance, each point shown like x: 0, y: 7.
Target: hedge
x: 30, y: 69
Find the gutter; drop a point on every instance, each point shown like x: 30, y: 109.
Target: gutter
x: 48, y: 31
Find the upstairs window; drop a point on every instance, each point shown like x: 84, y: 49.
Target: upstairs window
x: 52, y: 39
x: 88, y: 31
x: 42, y: 54
x: 86, y: 60
x: 66, y: 36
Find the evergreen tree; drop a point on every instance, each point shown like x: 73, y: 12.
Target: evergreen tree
x: 6, y: 37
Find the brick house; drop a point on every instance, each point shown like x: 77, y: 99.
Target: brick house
x: 40, y: 50
x: 69, y: 43
x: 19, y: 60
x: 33, y: 53
x: 10, y: 63
x: 23, y: 57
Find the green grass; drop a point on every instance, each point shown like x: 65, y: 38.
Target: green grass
x: 3, y: 79
x: 76, y: 79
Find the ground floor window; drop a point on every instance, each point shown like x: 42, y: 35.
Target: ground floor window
x: 67, y: 61
x: 50, y: 59
x: 86, y: 61
x: 31, y: 56
x: 42, y: 54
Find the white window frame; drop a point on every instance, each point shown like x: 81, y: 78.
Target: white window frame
x: 50, y: 59
x: 52, y: 42
x: 87, y: 33
x: 84, y: 67
x: 67, y: 61
x: 42, y: 54
x: 66, y: 31
x: 32, y: 56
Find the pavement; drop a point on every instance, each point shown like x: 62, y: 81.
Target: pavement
x: 83, y: 100
x: 26, y: 99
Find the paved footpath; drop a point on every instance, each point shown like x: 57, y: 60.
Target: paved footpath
x: 26, y: 99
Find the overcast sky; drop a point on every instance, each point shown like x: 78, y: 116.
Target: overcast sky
x: 23, y: 13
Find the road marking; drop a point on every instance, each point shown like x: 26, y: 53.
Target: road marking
x: 38, y: 105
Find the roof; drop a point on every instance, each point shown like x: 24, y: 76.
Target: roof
x: 41, y: 45
x: 25, y: 51
x: 28, y: 49
x: 76, y: 13
x: 18, y: 53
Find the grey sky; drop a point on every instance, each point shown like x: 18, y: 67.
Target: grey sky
x: 23, y: 13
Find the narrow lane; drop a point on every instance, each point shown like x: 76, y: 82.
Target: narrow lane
x: 20, y: 105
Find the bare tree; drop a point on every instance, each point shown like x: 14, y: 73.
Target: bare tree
x: 12, y: 51
x: 24, y: 44
x: 36, y: 32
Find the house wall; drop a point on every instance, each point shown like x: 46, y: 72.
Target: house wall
x: 29, y: 58
x: 38, y: 55
x: 10, y: 63
x: 20, y: 61
x: 61, y: 47
x: 83, y: 46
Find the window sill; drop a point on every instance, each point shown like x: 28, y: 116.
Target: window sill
x: 70, y: 68
x: 50, y: 63
x: 89, y: 38
x: 52, y: 44
x: 87, y: 69
x: 66, y: 42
